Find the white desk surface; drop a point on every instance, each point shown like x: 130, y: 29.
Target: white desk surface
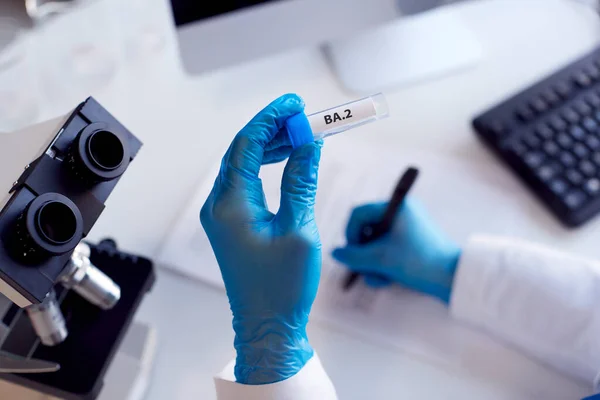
x: 186, y: 121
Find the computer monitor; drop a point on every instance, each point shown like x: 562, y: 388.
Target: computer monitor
x: 370, y: 47
x: 220, y: 33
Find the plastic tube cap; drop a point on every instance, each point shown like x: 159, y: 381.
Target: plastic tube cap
x: 299, y: 130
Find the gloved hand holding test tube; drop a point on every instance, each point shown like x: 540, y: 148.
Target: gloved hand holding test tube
x: 335, y: 120
x: 271, y: 262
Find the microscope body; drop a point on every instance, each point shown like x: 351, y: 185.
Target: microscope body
x: 55, y: 178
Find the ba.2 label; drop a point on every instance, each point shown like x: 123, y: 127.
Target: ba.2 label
x: 336, y: 117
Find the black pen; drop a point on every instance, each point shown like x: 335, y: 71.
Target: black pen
x: 374, y: 230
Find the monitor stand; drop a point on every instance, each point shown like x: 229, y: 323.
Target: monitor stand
x: 410, y: 50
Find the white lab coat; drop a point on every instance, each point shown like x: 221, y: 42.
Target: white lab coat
x: 543, y: 302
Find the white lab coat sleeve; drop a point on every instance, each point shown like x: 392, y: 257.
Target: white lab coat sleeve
x: 541, y: 301
x: 310, y: 383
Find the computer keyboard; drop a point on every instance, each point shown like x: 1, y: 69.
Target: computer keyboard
x: 549, y: 134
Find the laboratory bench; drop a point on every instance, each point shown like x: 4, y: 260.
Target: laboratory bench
x: 186, y: 122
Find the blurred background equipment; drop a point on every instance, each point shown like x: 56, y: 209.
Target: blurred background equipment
x: 391, y: 51
x: 81, y: 64
x: 55, y: 52
x: 40, y: 9
x: 19, y: 100
x: 141, y: 29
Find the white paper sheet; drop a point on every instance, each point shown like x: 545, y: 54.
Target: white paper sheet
x: 464, y: 197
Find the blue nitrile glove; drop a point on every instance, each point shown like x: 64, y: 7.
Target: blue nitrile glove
x: 271, y: 263
x: 416, y: 253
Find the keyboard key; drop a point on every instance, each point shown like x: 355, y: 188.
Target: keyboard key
x: 596, y: 158
x: 592, y: 186
x: 551, y: 97
x: 564, y: 140
x: 582, y: 108
x: 593, y: 72
x: 533, y: 159
x: 574, y: 177
x: 517, y: 147
x: 567, y: 159
x: 580, y: 150
x: 525, y: 114
x: 593, y: 100
x: 577, y: 132
x: 532, y: 141
x: 563, y: 89
x: 539, y: 105
x: 546, y: 172
x: 582, y: 79
x: 590, y: 124
x: 588, y: 168
x: 551, y: 148
x: 496, y: 127
x: 592, y: 142
x: 557, y: 166
x: 543, y: 131
x: 557, y: 123
x: 571, y: 115
x: 558, y: 186
x: 574, y: 199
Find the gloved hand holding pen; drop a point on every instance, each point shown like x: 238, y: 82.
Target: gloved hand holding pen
x: 270, y: 263
x: 415, y: 253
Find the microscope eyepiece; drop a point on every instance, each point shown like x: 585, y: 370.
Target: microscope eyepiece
x: 99, y: 154
x: 56, y: 222
x: 50, y: 225
x: 106, y: 150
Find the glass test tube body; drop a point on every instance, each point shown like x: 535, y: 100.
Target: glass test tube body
x: 347, y: 116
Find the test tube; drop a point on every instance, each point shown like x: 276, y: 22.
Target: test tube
x: 308, y: 128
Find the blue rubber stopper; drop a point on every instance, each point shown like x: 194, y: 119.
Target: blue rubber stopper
x: 299, y: 130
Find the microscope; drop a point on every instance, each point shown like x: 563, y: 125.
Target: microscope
x: 65, y: 304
